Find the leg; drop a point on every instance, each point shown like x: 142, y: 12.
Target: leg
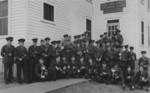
x: 5, y: 73
x: 10, y: 73
x: 19, y: 73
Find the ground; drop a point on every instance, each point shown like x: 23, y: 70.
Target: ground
x: 93, y: 87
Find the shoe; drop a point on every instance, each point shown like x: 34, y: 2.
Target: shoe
x: 147, y: 90
x: 123, y: 87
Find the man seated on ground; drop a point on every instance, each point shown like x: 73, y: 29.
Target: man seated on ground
x: 73, y: 65
x: 104, y: 73
x: 142, y: 79
x: 41, y: 72
x: 81, y: 69
x: 117, y: 76
x: 129, y: 77
x: 65, y: 67
x: 91, y: 70
x: 56, y: 68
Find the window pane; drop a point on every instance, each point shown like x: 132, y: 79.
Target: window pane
x: 48, y: 12
x: 88, y: 25
x: 142, y: 32
x: 4, y: 8
x: 4, y: 26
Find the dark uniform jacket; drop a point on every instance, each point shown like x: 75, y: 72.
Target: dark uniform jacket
x: 116, y: 72
x: 20, y: 54
x: 7, y: 52
x: 144, y: 61
x: 142, y: 75
x: 33, y: 51
x: 104, y: 71
x: 129, y: 74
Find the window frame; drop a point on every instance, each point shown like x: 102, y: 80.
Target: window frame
x: 42, y: 12
x: 148, y: 35
x: 8, y: 18
x: 148, y: 5
x: 86, y: 23
x: 142, y: 33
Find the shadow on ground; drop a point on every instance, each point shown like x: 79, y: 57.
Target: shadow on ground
x: 93, y: 87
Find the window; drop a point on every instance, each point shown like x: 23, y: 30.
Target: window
x: 48, y: 12
x: 148, y: 4
x: 112, y: 26
x: 88, y: 25
x: 142, y: 33
x: 3, y: 17
x: 149, y: 36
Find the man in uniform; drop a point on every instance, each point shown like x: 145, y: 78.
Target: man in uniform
x: 142, y: 78
x: 7, y: 52
x: 41, y: 73
x: 21, y: 61
x: 104, y: 73
x: 33, y: 53
x: 144, y: 61
x: 119, y: 37
x: 117, y: 75
x: 125, y: 58
x: 129, y: 78
x: 132, y: 58
x: 105, y: 39
x: 47, y: 52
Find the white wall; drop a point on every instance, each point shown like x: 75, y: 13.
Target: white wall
x: 143, y: 15
x: 70, y: 18
x: 128, y: 21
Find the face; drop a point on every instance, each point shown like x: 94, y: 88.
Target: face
x: 47, y: 41
x: 43, y: 43
x: 34, y: 43
x: 64, y: 58
x: 143, y: 55
x: 82, y: 59
x: 104, y: 65
x: 129, y: 68
x: 141, y: 68
x: 90, y: 60
x: 41, y: 61
x: 9, y: 42
x: 73, y: 58
x: 58, y: 59
x: 21, y: 44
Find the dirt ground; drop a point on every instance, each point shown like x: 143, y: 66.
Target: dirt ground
x: 93, y: 87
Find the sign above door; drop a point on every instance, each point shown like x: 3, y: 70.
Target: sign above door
x: 113, y: 7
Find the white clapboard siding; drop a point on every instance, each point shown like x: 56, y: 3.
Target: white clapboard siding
x: 70, y: 18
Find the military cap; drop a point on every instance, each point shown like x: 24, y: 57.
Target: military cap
x: 47, y: 38
x: 21, y: 40
x: 126, y: 46
x: 58, y: 42
x: 9, y: 38
x: 65, y: 35
x: 131, y: 48
x: 97, y: 42
x: 91, y: 41
x: 101, y: 35
x: 75, y: 36
x: 42, y: 40
x: 86, y: 32
x: 79, y: 36
x: 83, y: 35
x: 143, y: 52
x: 34, y: 39
x: 105, y: 33
x: 53, y: 42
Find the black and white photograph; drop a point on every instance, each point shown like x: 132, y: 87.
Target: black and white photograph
x: 74, y: 46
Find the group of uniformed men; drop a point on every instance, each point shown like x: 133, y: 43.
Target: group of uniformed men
x: 105, y: 62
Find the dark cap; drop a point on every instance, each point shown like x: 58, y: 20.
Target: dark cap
x: 75, y: 36
x: 47, y: 38
x: 42, y: 40
x: 143, y: 52
x: 101, y: 35
x: 79, y: 36
x: 34, y: 39
x: 83, y: 34
x: 97, y: 42
x: 9, y: 38
x: 21, y: 40
x: 65, y: 35
x: 58, y: 42
x: 131, y: 48
x: 91, y: 41
x: 53, y: 42
x: 126, y: 46
x: 105, y: 33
